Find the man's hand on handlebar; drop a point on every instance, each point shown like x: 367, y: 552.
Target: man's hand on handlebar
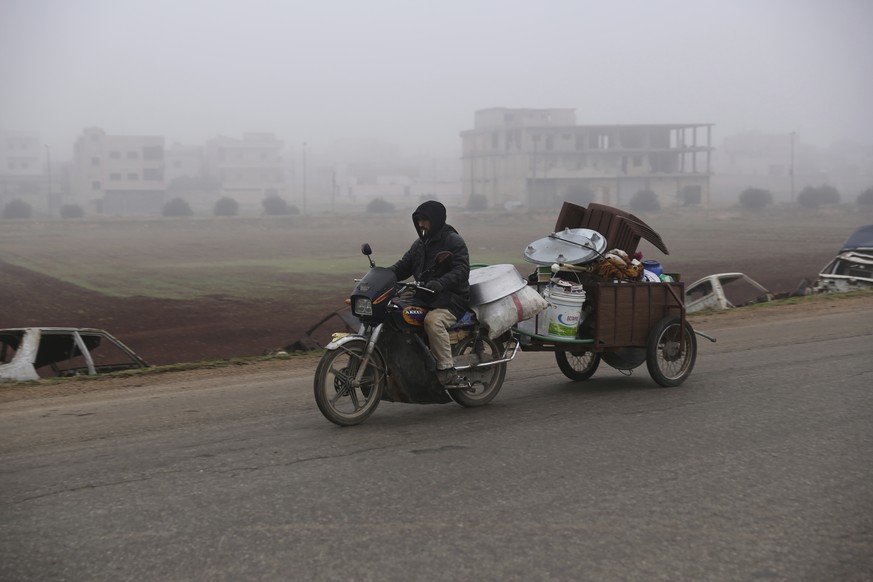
x: 434, y: 286
x: 419, y: 287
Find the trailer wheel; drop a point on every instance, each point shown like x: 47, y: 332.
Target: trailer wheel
x: 578, y: 367
x: 669, y: 364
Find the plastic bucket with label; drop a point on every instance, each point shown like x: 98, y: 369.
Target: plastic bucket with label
x: 564, y: 313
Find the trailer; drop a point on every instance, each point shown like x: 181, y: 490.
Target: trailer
x: 621, y: 322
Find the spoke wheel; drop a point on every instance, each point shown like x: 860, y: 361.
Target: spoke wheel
x: 668, y: 363
x: 488, y: 379
x: 578, y: 367
x: 339, y: 398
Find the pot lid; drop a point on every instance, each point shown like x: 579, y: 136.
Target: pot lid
x: 573, y: 246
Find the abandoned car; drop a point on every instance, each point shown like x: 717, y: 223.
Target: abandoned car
x: 31, y: 353
x: 723, y: 291
x: 852, y: 268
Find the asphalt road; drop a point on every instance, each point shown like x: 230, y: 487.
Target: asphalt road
x: 758, y: 467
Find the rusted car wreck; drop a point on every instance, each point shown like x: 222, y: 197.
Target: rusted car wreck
x: 852, y: 268
x: 724, y: 291
x: 31, y: 353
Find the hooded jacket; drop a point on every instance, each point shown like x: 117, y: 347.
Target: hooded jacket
x: 419, y: 262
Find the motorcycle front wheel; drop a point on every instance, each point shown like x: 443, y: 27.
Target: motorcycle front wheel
x: 339, y: 397
x: 487, y: 380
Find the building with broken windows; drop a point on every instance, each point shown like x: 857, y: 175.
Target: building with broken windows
x: 540, y: 157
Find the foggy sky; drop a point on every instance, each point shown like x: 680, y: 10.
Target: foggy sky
x: 412, y: 73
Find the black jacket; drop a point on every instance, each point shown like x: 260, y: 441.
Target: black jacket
x: 419, y: 262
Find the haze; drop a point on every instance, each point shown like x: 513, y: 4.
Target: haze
x: 411, y: 73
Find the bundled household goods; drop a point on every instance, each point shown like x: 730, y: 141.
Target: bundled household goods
x: 501, y: 298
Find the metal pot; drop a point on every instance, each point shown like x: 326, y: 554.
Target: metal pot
x: 494, y: 282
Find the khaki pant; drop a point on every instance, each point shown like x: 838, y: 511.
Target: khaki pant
x: 436, y: 324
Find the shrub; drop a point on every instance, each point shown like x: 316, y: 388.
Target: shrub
x: 226, y: 207
x: 477, y: 202
x: 17, y: 209
x: 380, y: 205
x: 645, y: 201
x: 177, y: 207
x: 755, y: 198
x: 866, y: 198
x: 72, y: 211
x: 813, y: 197
x: 275, y: 206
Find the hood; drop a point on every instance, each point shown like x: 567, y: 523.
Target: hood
x: 435, y: 212
x: 861, y: 239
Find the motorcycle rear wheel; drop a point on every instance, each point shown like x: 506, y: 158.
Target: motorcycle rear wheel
x: 489, y: 378
x: 339, y: 399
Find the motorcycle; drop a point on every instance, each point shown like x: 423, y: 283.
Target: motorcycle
x: 389, y: 359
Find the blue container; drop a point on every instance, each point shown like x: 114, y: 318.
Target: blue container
x: 653, y: 266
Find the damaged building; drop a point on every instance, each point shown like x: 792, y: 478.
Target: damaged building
x: 540, y: 157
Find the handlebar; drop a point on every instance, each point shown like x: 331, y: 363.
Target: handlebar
x: 417, y: 286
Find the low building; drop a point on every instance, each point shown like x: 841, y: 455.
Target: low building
x: 119, y: 174
x: 540, y: 157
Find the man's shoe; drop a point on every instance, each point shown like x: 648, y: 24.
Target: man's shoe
x: 449, y: 377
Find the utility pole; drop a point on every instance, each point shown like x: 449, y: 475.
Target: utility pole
x: 333, y: 194
x: 48, y: 179
x: 304, y: 178
x: 791, y: 168
x: 533, y: 183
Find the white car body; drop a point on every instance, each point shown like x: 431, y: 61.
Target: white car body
x: 724, y: 291
x: 852, y: 268
x: 31, y: 353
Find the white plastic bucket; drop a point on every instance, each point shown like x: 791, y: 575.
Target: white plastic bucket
x: 565, y: 312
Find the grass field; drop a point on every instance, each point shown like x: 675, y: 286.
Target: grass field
x: 199, y: 289
x: 268, y: 258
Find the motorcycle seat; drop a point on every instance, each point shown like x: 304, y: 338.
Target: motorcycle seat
x: 466, y: 320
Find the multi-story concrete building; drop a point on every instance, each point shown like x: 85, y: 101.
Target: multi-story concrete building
x: 119, y: 174
x: 24, y: 169
x: 248, y: 169
x: 540, y: 157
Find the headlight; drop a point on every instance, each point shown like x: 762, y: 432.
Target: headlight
x: 362, y: 306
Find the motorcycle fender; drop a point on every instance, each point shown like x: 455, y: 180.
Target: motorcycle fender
x: 352, y: 337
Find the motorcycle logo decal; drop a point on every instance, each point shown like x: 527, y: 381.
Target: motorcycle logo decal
x: 414, y: 315
x: 382, y: 297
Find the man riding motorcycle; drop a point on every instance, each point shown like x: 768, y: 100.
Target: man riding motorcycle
x: 448, y: 280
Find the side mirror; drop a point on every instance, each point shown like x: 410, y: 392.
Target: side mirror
x: 365, y: 248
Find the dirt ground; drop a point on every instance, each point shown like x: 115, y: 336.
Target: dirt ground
x: 214, y: 327
x: 161, y: 331
x: 168, y: 332
x: 305, y: 363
